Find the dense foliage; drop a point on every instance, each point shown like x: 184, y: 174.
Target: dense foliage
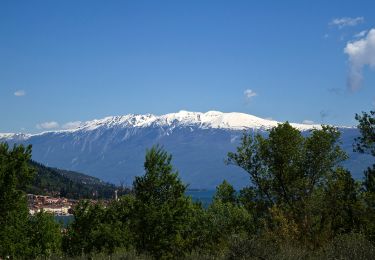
x: 366, y: 144
x: 300, y: 204
x: 297, y: 183
x: 22, y: 235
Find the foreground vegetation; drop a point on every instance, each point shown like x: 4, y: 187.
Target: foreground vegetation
x: 299, y: 204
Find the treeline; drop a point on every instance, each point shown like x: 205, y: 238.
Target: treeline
x: 299, y: 204
x: 21, y: 235
x: 69, y: 184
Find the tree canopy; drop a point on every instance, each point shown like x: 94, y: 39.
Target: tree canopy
x: 22, y: 236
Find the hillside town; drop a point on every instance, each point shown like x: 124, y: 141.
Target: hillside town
x: 57, y: 206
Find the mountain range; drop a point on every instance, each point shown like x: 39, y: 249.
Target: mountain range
x: 113, y: 148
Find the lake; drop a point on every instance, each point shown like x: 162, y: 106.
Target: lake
x: 65, y: 220
x: 204, y: 196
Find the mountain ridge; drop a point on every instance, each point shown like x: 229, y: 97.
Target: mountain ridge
x: 210, y: 119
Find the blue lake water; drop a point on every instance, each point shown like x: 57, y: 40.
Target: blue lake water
x: 65, y: 220
x: 204, y: 196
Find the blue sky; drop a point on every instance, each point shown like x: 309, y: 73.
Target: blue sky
x: 68, y: 61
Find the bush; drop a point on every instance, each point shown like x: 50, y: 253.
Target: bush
x: 349, y: 246
x: 244, y: 247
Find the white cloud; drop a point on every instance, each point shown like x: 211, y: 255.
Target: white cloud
x: 48, y: 125
x: 72, y: 125
x: 360, y: 34
x: 346, y: 21
x: 361, y: 53
x: 249, y: 94
x: 20, y: 93
x: 307, y: 122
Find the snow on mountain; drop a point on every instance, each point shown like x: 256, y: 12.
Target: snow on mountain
x: 18, y: 136
x: 210, y: 119
x: 6, y: 135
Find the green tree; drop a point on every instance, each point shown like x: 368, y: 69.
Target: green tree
x: 290, y: 174
x: 162, y: 210
x: 80, y: 237
x: 97, y: 228
x: 225, y: 193
x: 224, y: 219
x: 365, y: 144
x: 342, y: 207
x: 119, y: 219
x: 44, y: 235
x: 15, y: 174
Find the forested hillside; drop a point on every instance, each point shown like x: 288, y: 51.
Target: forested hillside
x: 69, y: 184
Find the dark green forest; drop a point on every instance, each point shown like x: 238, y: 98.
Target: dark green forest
x: 69, y: 184
x: 300, y: 203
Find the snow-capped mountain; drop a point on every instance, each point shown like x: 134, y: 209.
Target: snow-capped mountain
x: 211, y: 119
x: 113, y: 148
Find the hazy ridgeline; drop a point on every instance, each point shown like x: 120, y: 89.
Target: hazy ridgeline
x: 300, y: 203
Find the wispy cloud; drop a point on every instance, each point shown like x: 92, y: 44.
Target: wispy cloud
x: 20, y: 93
x: 48, y: 125
x: 249, y: 94
x: 347, y: 21
x: 361, y: 53
x: 360, y: 34
x: 308, y: 122
x: 72, y: 125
